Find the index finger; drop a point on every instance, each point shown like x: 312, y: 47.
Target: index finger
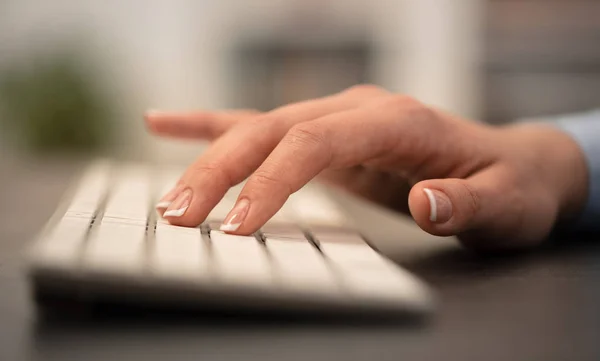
x: 207, y: 125
x: 238, y: 153
x: 370, y: 134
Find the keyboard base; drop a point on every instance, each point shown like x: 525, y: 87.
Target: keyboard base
x: 75, y: 297
x: 107, y: 244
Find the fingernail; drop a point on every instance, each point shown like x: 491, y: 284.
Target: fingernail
x: 236, y: 216
x: 163, y: 204
x: 167, y: 199
x: 180, y: 204
x: 440, y: 207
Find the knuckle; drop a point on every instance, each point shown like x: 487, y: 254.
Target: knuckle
x: 270, y: 122
x: 264, y: 178
x: 205, y: 167
x: 268, y: 180
x: 260, y: 119
x: 213, y: 130
x: 411, y: 115
x: 472, y: 200
x: 216, y: 170
x: 310, y: 139
x: 307, y: 134
x: 411, y: 121
x: 402, y: 102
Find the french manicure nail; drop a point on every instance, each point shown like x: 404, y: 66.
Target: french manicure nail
x: 163, y: 204
x: 168, y: 198
x: 180, y: 204
x: 236, y: 216
x: 440, y: 207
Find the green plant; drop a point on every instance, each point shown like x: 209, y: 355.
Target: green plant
x: 53, y: 104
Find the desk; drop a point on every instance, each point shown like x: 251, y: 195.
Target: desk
x: 540, y: 306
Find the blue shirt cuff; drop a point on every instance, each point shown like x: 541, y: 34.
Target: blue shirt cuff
x: 584, y: 128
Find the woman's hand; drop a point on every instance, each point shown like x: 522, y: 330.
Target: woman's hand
x: 493, y: 187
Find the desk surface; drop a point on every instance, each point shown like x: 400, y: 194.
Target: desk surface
x: 540, y: 306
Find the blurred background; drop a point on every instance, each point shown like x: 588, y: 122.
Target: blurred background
x: 76, y: 76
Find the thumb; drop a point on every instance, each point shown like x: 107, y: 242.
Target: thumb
x: 447, y: 207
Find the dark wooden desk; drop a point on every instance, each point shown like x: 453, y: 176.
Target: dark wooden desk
x: 540, y: 306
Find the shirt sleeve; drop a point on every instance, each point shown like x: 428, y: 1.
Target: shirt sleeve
x: 585, y: 130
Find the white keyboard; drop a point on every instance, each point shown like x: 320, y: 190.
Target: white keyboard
x: 107, y: 241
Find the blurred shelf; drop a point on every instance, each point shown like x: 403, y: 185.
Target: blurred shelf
x: 511, y: 96
x: 541, y: 57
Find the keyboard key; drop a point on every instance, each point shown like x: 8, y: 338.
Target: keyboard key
x: 167, y: 182
x: 90, y: 191
x: 179, y: 252
x: 368, y: 275
x: 285, y: 215
x: 312, y: 206
x: 130, y: 199
x: 221, y: 210
x: 240, y: 260
x: 281, y: 230
x: 300, y: 266
x: 61, y: 247
x: 382, y: 284
x: 116, y: 248
x: 340, y: 235
x: 350, y: 255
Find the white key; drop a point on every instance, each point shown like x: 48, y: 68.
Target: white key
x: 312, y: 206
x: 167, y: 184
x: 368, y: 275
x: 116, y: 248
x: 281, y: 230
x: 285, y: 215
x: 350, y: 255
x: 90, y: 191
x: 130, y: 198
x: 240, y: 260
x: 180, y: 253
x: 383, y: 284
x: 61, y: 247
x: 167, y: 180
x: 300, y: 266
x: 234, y: 191
x: 337, y: 235
x: 221, y: 210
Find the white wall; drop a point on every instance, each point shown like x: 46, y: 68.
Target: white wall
x: 173, y: 54
x: 442, y: 47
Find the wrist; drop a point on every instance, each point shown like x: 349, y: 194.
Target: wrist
x: 562, y: 168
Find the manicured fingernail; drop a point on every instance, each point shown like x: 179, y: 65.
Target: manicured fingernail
x: 236, y: 216
x: 163, y: 204
x: 440, y: 207
x: 180, y: 204
x: 167, y: 199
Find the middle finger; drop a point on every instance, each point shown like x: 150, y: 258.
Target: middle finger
x: 239, y: 152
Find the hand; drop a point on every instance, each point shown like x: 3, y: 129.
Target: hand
x: 494, y: 187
